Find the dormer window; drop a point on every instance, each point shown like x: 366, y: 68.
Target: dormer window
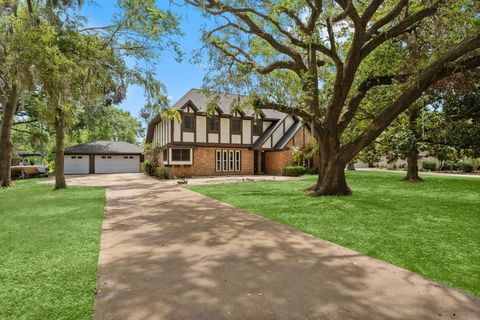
x: 236, y: 126
x: 188, y: 122
x: 257, y: 127
x: 214, y: 124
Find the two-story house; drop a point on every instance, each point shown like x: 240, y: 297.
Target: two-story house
x: 225, y: 143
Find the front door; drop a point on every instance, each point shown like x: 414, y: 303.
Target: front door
x: 259, y: 162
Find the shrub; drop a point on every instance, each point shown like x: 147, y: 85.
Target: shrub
x: 451, y: 166
x: 294, y: 171
x: 429, y: 165
x: 312, y: 170
x: 466, y: 167
x: 163, y: 173
x: 149, y: 167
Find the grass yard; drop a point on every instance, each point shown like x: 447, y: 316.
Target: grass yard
x: 431, y: 228
x: 49, y: 251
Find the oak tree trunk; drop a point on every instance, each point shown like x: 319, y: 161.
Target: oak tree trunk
x: 331, y: 174
x: 6, y: 145
x: 60, y: 182
x: 412, y: 157
x: 412, y: 168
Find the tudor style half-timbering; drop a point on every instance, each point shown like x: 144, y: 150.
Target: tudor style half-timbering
x: 225, y: 142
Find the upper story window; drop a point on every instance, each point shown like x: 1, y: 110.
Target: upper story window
x: 213, y: 124
x: 236, y: 125
x: 188, y: 122
x: 257, y: 127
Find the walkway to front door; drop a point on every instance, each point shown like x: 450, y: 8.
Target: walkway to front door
x: 168, y: 253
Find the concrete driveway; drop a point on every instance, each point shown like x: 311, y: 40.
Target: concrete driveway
x: 169, y: 253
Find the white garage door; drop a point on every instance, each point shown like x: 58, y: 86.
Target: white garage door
x: 78, y: 164
x: 117, y: 164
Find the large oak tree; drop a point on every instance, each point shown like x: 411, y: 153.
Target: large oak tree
x: 320, y: 59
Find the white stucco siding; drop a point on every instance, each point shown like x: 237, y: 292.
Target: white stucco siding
x: 201, y: 127
x: 168, y: 136
x: 267, y: 144
x: 225, y: 130
x: 164, y: 133
x: 176, y: 131
x: 277, y: 134
x: 288, y: 123
x: 188, y: 137
x: 254, y: 138
x: 236, y: 138
x: 266, y: 124
x: 247, y: 131
x: 213, y: 137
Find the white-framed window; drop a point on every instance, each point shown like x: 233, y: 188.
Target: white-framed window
x: 225, y: 160
x: 228, y: 160
x: 181, y: 156
x: 238, y: 160
x: 231, y: 160
x: 218, y: 160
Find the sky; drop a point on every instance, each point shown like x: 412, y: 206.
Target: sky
x: 177, y: 77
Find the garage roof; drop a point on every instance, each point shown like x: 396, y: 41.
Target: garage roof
x: 104, y: 147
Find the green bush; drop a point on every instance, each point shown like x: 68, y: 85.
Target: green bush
x: 149, y: 167
x: 451, y: 166
x: 466, y: 167
x: 312, y: 170
x: 294, y: 171
x: 163, y: 173
x: 429, y: 165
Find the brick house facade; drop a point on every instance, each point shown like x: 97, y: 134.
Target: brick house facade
x: 225, y: 142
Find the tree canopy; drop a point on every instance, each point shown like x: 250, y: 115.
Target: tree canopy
x: 329, y: 61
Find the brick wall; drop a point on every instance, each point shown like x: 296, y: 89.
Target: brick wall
x: 277, y: 160
x: 204, y: 163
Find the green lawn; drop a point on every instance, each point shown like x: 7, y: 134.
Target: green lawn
x: 431, y: 228
x: 49, y: 243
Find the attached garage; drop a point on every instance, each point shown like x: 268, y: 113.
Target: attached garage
x: 103, y: 157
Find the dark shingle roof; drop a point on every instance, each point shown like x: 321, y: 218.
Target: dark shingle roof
x: 104, y: 147
x: 200, y: 100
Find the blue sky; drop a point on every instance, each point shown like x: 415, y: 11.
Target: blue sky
x: 177, y: 77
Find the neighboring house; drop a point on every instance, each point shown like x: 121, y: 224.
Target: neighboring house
x: 103, y: 157
x: 225, y: 143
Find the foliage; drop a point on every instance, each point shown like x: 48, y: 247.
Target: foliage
x: 466, y: 167
x: 50, y: 244
x: 149, y: 167
x: 426, y: 229
x: 163, y: 173
x: 429, y: 165
x: 106, y: 123
x: 343, y: 66
x: 294, y: 171
x: 300, y: 155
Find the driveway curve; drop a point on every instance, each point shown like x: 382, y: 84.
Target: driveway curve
x: 169, y: 253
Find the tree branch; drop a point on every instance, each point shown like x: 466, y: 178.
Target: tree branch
x: 436, y: 71
x: 404, y: 26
